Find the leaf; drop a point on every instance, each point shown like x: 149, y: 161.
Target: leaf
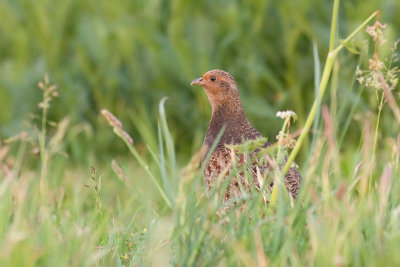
x: 354, y: 46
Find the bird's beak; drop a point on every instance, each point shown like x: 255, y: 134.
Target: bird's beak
x: 198, y: 81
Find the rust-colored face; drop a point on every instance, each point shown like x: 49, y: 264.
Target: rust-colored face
x: 220, y: 87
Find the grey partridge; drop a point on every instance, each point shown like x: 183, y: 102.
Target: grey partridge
x: 227, y: 111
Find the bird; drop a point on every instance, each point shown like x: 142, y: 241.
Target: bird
x: 228, y: 116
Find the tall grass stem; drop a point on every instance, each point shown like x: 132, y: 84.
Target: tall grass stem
x: 324, y: 81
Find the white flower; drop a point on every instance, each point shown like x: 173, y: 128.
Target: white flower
x: 286, y: 114
x: 360, y: 79
x: 358, y: 71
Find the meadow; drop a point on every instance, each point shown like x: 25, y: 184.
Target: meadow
x: 76, y: 192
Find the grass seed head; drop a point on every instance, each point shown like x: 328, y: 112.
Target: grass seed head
x: 111, y: 119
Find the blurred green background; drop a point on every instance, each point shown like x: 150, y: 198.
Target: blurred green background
x: 126, y: 55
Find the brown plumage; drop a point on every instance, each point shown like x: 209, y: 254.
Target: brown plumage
x: 227, y: 110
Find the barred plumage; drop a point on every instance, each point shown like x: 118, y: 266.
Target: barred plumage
x: 227, y: 113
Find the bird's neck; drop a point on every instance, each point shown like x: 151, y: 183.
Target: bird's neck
x: 227, y: 115
x: 234, y: 120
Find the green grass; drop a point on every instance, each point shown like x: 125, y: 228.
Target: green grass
x: 126, y: 56
x: 75, y: 192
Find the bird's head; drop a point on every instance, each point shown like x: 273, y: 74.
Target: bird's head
x: 220, y: 87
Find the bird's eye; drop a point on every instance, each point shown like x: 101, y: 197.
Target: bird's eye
x: 213, y: 78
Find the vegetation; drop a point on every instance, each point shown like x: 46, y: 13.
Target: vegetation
x: 71, y: 193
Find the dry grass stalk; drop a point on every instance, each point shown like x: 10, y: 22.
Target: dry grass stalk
x: 387, y: 91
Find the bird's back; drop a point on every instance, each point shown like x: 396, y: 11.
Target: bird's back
x: 219, y: 165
